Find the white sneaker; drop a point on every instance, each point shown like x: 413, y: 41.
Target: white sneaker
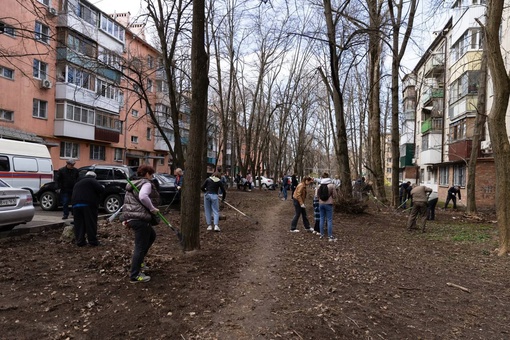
x: 294, y: 230
x: 209, y: 228
x: 216, y: 228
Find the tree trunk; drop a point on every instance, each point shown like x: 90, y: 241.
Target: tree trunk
x: 199, y: 81
x: 481, y: 118
x: 496, y: 120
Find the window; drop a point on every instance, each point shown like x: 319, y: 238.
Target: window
x: 81, y: 78
x: 443, y: 176
x: 45, y: 2
x: 6, y: 72
x: 458, y: 131
x: 75, y: 113
x: 69, y: 150
x: 466, y: 84
x: 107, y: 121
x: 6, y: 115
x: 117, y: 155
x: 162, y: 159
x: 111, y: 27
x: 110, y: 58
x: 97, y: 152
x: 4, y: 164
x: 134, y: 113
x: 7, y: 29
x: 81, y: 45
x: 40, y: 69
x: 149, y: 85
x: 134, y: 139
x: 150, y: 61
x: 107, y: 90
x: 161, y: 86
x: 149, y: 133
x: 42, y: 32
x: 40, y: 109
x: 459, y: 175
x: 388, y: 170
x: 86, y: 13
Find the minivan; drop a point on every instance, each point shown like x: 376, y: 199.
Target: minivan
x: 25, y: 165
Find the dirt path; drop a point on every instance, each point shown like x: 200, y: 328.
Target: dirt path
x: 248, y: 315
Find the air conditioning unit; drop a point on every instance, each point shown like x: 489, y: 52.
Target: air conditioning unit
x: 46, y: 84
x: 52, y: 11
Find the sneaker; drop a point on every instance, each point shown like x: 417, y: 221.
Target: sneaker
x: 141, y: 278
x: 209, y: 228
x: 310, y: 230
x: 321, y: 237
x: 294, y: 231
x: 331, y: 239
x: 216, y: 228
x: 144, y: 268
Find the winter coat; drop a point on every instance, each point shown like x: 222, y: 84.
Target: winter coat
x: 331, y: 189
x: 87, y: 191
x: 420, y: 193
x: 212, y: 185
x: 300, y: 193
x: 66, y: 178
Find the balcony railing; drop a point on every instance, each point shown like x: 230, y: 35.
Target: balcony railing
x: 432, y: 93
x: 432, y: 124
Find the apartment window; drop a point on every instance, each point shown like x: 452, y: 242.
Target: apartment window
x: 97, y: 152
x: 7, y: 29
x: 107, y: 90
x: 150, y: 61
x: 162, y: 159
x: 80, y: 78
x: 81, y: 45
x: 6, y: 115
x: 45, y: 2
x: 110, y: 58
x: 388, y: 170
x: 107, y: 121
x: 161, y: 86
x: 69, y: 150
x: 6, y: 72
x: 149, y: 133
x: 134, y: 113
x: 40, y: 109
x: 117, y: 154
x: 458, y: 131
x: 149, y: 85
x: 42, y: 32
x: 466, y: 84
x: 459, y: 175
x: 111, y: 27
x: 75, y: 113
x: 443, y: 176
x: 134, y: 139
x: 40, y: 69
x: 86, y: 13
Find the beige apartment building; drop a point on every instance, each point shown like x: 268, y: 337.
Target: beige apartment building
x: 62, y: 84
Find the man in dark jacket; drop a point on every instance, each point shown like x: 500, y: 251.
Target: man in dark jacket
x: 66, y: 178
x: 455, y: 190
x: 404, y: 194
x: 85, y: 202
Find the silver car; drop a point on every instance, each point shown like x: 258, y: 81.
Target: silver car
x: 16, y: 206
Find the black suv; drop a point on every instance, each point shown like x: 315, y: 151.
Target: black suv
x: 112, y: 177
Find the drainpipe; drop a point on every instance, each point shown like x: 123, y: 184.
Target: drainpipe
x: 444, y: 96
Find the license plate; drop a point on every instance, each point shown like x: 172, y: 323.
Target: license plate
x: 9, y: 201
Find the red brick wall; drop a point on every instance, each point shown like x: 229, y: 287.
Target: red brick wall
x: 485, y: 190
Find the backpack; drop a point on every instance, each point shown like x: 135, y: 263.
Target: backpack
x: 323, y: 192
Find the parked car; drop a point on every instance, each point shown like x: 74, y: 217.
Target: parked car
x: 112, y: 177
x: 265, y: 182
x: 16, y: 206
x: 167, y: 189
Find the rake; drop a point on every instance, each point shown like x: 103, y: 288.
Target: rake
x: 239, y: 211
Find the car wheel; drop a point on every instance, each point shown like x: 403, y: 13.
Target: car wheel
x: 264, y: 186
x: 112, y: 203
x: 48, y: 201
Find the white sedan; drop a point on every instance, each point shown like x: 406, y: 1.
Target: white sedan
x: 267, y: 183
x: 16, y: 206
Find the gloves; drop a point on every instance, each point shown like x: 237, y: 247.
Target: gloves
x: 178, y: 188
x: 302, y: 206
x: 155, y: 211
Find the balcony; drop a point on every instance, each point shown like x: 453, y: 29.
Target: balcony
x: 460, y: 150
x: 432, y: 93
x: 430, y: 156
x: 72, y: 21
x: 434, y: 67
x: 465, y: 106
x: 106, y: 135
x: 65, y: 91
x: 432, y: 125
x: 160, y: 145
x: 69, y: 128
x: 406, y: 154
x: 409, y: 114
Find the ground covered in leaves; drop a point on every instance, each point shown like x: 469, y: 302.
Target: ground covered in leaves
x: 259, y: 281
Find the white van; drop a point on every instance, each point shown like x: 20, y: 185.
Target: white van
x: 25, y: 165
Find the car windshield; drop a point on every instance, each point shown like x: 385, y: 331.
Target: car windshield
x: 165, y: 179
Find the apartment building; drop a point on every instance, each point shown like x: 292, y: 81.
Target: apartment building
x: 447, y: 80
x: 67, y: 80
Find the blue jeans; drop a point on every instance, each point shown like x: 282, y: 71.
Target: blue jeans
x: 144, y: 238
x: 326, y: 211
x: 65, y: 198
x: 299, y: 212
x: 211, y: 206
x: 284, y: 189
